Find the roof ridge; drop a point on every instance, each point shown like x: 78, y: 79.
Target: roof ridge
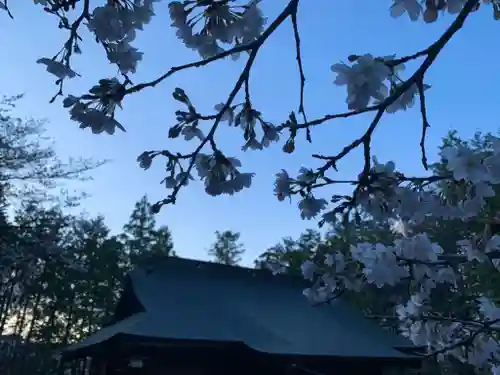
x: 237, y: 271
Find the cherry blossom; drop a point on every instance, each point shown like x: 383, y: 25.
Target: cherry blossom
x: 57, y: 68
x: 380, y: 85
x: 364, y: 80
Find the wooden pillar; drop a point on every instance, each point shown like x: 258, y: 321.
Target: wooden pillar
x: 102, y: 367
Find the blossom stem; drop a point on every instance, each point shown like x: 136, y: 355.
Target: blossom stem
x: 254, y: 49
x: 432, y: 53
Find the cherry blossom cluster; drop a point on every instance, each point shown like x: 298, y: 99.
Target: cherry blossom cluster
x: 429, y: 10
x: 379, y: 78
x: 205, y: 26
x: 414, y: 256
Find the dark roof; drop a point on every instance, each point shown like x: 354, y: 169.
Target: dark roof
x: 193, y: 300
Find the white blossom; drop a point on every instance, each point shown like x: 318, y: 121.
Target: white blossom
x: 70, y: 101
x: 221, y: 176
x: 282, y: 185
x: 485, y: 348
x: 206, y: 26
x: 306, y: 175
x: 411, y: 7
x: 470, y: 250
x: 310, y: 207
x: 57, y: 68
x: 308, y: 269
x: 412, y: 308
x: 465, y: 164
x: 364, y: 81
x: 454, y: 6
x: 228, y: 114
x: 380, y: 263
x: 125, y: 56
x: 190, y: 132
x: 418, y: 247
x: 94, y: 119
x: 488, y: 309
x: 336, y: 261
x: 404, y: 101
x: 106, y: 23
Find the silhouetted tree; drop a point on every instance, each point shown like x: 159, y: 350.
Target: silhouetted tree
x: 226, y: 249
x: 143, y: 241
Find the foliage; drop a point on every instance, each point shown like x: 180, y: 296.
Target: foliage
x: 289, y: 255
x: 66, y: 282
x: 60, y: 274
x: 227, y: 249
x: 142, y: 237
x: 447, y: 303
x: 29, y: 166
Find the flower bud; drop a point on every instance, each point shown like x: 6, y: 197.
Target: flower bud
x: 289, y: 146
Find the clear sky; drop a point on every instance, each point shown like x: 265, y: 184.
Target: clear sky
x: 464, y: 96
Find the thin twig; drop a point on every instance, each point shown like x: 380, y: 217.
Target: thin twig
x: 289, y: 9
x: 298, y: 57
x: 7, y: 9
x: 432, y: 53
x: 195, y: 64
x: 425, y: 123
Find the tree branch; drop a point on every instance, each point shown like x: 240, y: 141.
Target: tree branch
x: 432, y: 53
x: 301, y: 68
x: 254, y: 49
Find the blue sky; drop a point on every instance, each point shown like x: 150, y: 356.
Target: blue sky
x: 463, y: 97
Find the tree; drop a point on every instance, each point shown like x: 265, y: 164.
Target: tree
x: 143, y: 241
x: 226, y: 249
x: 67, y: 291
x: 138, y: 231
x: 163, y: 243
x: 219, y: 29
x: 38, y: 268
x: 29, y: 165
x: 447, y: 301
x: 289, y: 255
x: 30, y: 172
